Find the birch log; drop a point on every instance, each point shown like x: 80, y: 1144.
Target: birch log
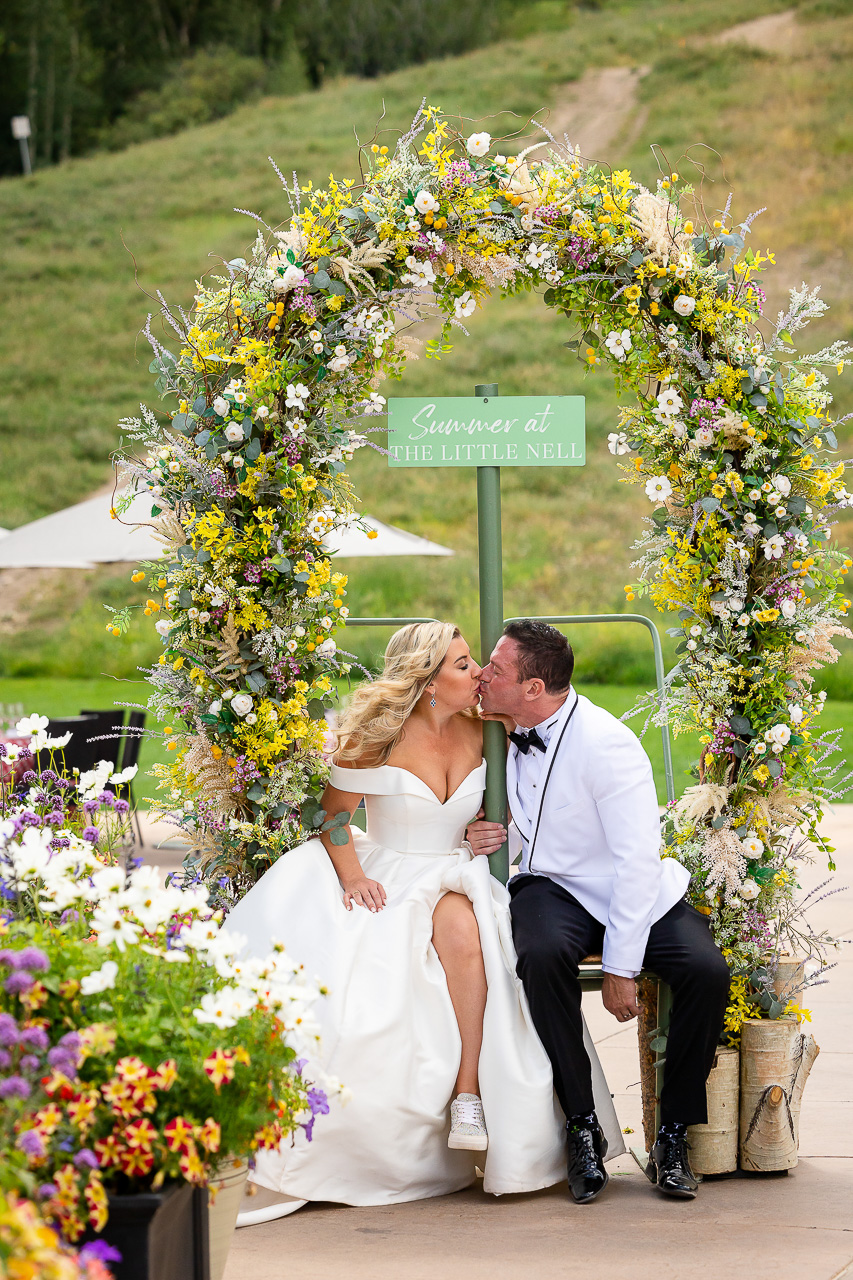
x: 713, y: 1146
x: 775, y: 1059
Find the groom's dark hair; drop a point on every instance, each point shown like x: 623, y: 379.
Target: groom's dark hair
x: 544, y: 654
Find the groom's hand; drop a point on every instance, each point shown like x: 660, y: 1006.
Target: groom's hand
x: 620, y: 997
x: 485, y: 837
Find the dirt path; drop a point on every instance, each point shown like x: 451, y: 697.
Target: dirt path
x: 775, y: 33
x: 599, y: 109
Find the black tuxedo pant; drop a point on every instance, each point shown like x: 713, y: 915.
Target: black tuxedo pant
x: 553, y: 933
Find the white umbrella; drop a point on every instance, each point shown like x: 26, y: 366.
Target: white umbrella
x: 84, y: 535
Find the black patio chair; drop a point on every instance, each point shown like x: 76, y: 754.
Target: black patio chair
x: 124, y: 745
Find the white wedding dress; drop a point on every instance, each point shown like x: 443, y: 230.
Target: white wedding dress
x: 389, y: 1031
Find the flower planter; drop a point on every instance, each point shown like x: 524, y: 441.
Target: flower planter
x: 226, y: 1194
x: 714, y: 1146
x: 161, y: 1235
x: 776, y: 1059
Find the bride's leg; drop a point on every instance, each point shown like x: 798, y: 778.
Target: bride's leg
x: 456, y: 937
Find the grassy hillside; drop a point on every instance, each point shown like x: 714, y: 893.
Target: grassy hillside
x: 73, y: 362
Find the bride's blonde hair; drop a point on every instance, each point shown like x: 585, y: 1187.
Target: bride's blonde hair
x: 373, y: 721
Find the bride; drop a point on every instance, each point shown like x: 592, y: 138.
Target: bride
x: 411, y: 935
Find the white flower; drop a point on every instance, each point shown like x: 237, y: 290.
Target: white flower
x: 291, y: 646
x: 126, y: 775
x: 174, y: 468
x: 617, y: 442
x: 537, y: 254
x: 251, y: 718
x: 291, y: 278
x: 262, y: 411
x: 419, y: 273
x: 163, y: 627
x: 779, y: 735
x: 221, y: 406
x: 111, y: 925
x: 297, y: 394
x: 32, y: 724
x: 692, y: 644
x: 241, y: 704
x: 102, y: 979
x: 478, y: 144
x: 214, y: 708
x: 299, y: 631
x: 527, y: 222
x: 464, y: 305
x: 788, y: 609
x: 57, y: 744
x: 224, y: 1008
x: 425, y: 202
x: 671, y: 330
x: 234, y: 432
x: 743, y: 620
x: 684, y: 304
x: 658, y: 488
x: 696, y: 630
x: 678, y: 429
x: 344, y: 611
x: 749, y: 890
x: 752, y: 847
x: 327, y: 649
x: 669, y: 402
x: 782, y: 485
x: 338, y: 363
x: 796, y: 713
x: 618, y: 343
x: 750, y: 518
x: 774, y: 547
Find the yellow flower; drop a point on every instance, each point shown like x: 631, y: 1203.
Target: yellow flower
x: 806, y: 462
x: 308, y: 484
x: 633, y: 292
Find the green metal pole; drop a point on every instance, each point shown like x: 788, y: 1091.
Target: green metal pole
x: 491, y: 626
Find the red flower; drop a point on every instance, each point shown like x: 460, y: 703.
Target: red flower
x: 140, y: 1134
x: 136, y: 1164
x: 178, y: 1134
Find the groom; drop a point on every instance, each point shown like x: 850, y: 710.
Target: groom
x: 591, y: 880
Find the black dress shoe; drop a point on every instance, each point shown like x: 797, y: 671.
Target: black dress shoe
x: 669, y: 1167
x: 587, y: 1174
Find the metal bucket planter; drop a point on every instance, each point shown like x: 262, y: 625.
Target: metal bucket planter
x: 226, y: 1194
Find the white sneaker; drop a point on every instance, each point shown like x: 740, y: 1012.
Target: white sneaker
x: 467, y: 1124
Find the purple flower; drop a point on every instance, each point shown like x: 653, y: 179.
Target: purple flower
x: 71, y: 1041
x: 5, y: 1059
x: 61, y: 1059
x: 101, y: 1250
x: 31, y: 1143
x: 70, y: 916
x: 34, y: 1038
x: 9, y: 957
x: 30, y: 819
x: 3, y: 751
x: 46, y: 1190
x: 34, y: 959
x: 90, y: 806
x: 15, y: 1087
x: 121, y: 806
x: 29, y: 1062
x: 92, y: 834
x: 86, y: 1159
x: 47, y: 775
x: 8, y: 1030
x: 29, y: 776
x: 318, y: 1102
x: 19, y: 982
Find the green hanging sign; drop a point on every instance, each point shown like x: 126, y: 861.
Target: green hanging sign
x: 487, y: 431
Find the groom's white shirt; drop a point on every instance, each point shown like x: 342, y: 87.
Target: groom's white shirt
x: 586, y: 813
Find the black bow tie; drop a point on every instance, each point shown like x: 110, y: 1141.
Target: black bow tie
x: 524, y: 741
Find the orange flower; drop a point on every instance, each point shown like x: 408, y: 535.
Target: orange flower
x: 178, y: 1134
x: 210, y: 1135
x: 109, y: 1151
x: 165, y: 1075
x: 96, y: 1201
x: 140, y: 1135
x: 220, y: 1067
x: 191, y: 1166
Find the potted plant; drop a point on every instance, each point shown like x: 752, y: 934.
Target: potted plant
x: 160, y: 1054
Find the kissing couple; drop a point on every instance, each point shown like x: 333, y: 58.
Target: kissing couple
x: 454, y: 1007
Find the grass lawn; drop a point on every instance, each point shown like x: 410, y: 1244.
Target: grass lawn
x: 66, y: 697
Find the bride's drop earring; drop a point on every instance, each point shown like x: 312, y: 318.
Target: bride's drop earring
x: 432, y: 701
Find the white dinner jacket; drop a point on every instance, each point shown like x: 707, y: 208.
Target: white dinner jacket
x: 595, y: 829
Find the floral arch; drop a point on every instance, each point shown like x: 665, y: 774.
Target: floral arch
x: 278, y: 365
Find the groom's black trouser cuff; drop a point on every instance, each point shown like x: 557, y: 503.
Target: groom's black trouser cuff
x: 553, y: 933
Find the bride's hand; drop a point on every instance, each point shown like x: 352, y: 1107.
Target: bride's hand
x: 485, y: 837
x: 363, y: 893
